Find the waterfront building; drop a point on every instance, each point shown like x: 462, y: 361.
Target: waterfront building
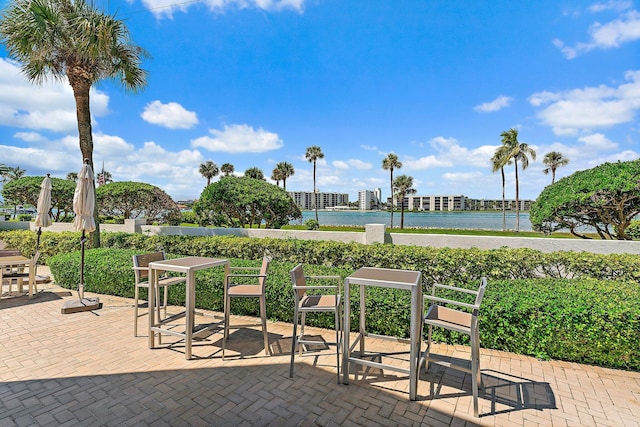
x: 368, y: 199
x: 457, y: 202
x: 305, y: 199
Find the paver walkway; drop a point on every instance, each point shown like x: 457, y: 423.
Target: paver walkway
x: 88, y: 369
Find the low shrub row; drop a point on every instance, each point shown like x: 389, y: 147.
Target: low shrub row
x: 583, y: 320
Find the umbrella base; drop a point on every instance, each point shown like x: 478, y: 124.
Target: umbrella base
x: 78, y: 305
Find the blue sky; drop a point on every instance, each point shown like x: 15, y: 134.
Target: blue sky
x: 256, y: 82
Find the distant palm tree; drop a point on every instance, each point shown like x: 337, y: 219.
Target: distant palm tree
x: 313, y: 154
x: 499, y: 160
x: 3, y: 168
x: 227, y: 169
x: 276, y: 175
x: 208, y: 170
x: 73, y: 41
x: 553, y: 160
x: 72, y: 176
x: 14, y: 173
x: 403, y: 186
x: 286, y: 170
x: 518, y: 152
x: 390, y: 163
x: 255, y: 173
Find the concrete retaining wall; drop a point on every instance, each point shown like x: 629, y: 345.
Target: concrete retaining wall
x: 374, y: 233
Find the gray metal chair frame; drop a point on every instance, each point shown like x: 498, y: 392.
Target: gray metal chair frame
x: 19, y: 276
x: 244, y: 290
x: 306, y: 303
x: 464, y: 320
x: 141, y: 271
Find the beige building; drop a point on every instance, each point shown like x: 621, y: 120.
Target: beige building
x: 458, y: 202
x: 305, y: 199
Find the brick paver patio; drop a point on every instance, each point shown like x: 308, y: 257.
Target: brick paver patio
x: 88, y: 369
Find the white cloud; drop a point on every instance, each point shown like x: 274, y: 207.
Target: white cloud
x: 589, y: 108
x: 239, y: 139
x: 171, y: 115
x: 351, y: 164
x: 597, y: 142
x: 369, y: 147
x: 463, y: 177
x: 165, y: 8
x: 617, y: 5
x: 30, y: 136
x: 605, y: 36
x: 49, y: 106
x: 497, y: 104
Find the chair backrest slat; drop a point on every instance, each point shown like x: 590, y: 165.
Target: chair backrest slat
x: 143, y: 261
x: 264, y: 271
x: 298, y: 279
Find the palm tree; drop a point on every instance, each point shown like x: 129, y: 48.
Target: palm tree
x: 390, y: 163
x: 255, y: 173
x: 553, y: 160
x: 403, y: 186
x: 518, y: 152
x: 208, y: 170
x: 276, y: 175
x: 286, y: 170
x: 72, y: 176
x: 54, y: 39
x: 499, y: 160
x: 313, y: 154
x: 227, y: 169
x: 14, y: 173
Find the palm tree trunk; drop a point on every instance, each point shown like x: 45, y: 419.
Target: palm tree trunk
x: 391, y: 197
x: 315, y: 193
x: 517, y: 201
x: 504, y: 211
x: 81, y: 87
x: 402, y: 214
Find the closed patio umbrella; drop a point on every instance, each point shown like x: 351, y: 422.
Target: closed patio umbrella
x: 43, y: 219
x: 83, y: 207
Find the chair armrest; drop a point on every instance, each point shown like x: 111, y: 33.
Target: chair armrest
x: 323, y: 277
x: 244, y: 268
x: 456, y: 288
x: 139, y: 268
x: 448, y: 301
x: 316, y: 287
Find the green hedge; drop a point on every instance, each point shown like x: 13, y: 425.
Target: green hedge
x: 573, y: 306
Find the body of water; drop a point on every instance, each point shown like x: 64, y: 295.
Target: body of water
x: 470, y: 220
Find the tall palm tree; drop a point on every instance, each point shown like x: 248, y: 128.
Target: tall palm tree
x: 403, y: 186
x: 518, y: 152
x: 227, y: 169
x: 313, y: 154
x: 208, y: 170
x: 390, y: 163
x: 499, y: 160
x: 54, y: 39
x: 286, y: 170
x: 72, y: 176
x: 255, y: 173
x: 553, y: 160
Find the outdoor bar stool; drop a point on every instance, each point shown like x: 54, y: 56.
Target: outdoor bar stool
x: 141, y: 271
x: 235, y: 286
x: 314, y: 302
x: 463, y: 320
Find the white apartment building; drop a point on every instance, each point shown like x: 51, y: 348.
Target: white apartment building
x: 305, y: 199
x: 457, y: 202
x: 368, y: 199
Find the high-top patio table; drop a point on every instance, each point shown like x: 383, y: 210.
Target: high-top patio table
x: 386, y: 278
x: 188, y: 266
x: 19, y: 261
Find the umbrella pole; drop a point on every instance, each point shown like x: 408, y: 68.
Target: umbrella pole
x: 81, y: 284
x: 82, y: 303
x: 38, y: 233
